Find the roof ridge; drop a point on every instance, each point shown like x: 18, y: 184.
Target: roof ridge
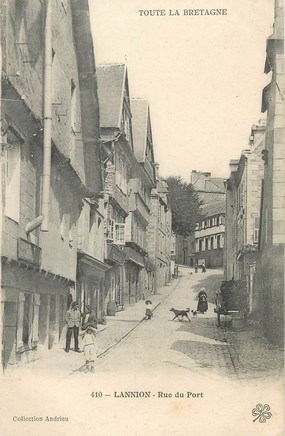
x: 111, y: 64
x: 139, y: 98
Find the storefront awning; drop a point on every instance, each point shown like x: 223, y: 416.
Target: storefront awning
x: 86, y: 259
x: 133, y: 256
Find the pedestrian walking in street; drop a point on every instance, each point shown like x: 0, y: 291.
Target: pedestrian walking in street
x: 148, y: 311
x: 88, y: 318
x: 196, y: 268
x: 203, y: 268
x: 202, y: 301
x: 72, y: 319
x: 89, y: 347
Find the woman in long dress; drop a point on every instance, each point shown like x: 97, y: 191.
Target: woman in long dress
x: 202, y: 301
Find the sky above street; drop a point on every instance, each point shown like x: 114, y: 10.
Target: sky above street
x: 202, y: 74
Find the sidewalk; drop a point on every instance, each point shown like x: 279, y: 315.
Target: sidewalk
x: 57, y: 363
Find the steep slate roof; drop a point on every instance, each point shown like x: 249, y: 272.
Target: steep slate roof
x: 214, y: 209
x: 90, y: 127
x: 111, y: 82
x: 212, y: 184
x: 219, y: 183
x: 139, y: 108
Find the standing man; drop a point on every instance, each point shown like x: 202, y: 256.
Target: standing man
x: 72, y: 319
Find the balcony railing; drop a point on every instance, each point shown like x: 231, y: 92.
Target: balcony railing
x: 115, y: 254
x: 28, y: 252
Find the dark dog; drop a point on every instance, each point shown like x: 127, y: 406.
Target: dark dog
x: 194, y: 313
x: 181, y: 313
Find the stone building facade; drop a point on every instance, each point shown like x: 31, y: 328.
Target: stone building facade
x: 243, y: 201
x: 142, y: 181
x: 270, y: 261
x: 159, y: 235
x: 91, y: 268
x: 209, y: 235
x: 119, y: 158
x: 51, y: 161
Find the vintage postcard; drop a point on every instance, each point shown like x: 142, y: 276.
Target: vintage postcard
x: 142, y: 217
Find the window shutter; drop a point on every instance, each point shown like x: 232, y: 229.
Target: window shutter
x: 20, y: 320
x: 35, y: 327
x: 110, y: 236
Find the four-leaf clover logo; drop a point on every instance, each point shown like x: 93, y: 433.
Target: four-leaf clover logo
x: 261, y: 412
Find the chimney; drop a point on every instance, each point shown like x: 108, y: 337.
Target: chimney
x: 234, y: 164
x: 207, y: 175
x: 257, y: 132
x: 194, y: 176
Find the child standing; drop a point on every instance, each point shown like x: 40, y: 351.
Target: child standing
x: 148, y: 311
x: 89, y: 347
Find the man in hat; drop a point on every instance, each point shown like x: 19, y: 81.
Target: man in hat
x: 72, y: 319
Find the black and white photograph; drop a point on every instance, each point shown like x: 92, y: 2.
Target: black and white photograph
x: 142, y: 217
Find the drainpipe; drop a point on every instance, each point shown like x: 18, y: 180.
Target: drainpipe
x: 47, y: 118
x: 2, y: 167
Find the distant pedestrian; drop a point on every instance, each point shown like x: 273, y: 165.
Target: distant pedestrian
x: 203, y: 268
x: 89, y: 347
x: 196, y: 268
x: 202, y: 301
x: 148, y: 311
x: 72, y: 319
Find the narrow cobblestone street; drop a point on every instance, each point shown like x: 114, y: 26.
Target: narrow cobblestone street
x: 199, y: 345
x: 128, y: 342
x: 173, y: 370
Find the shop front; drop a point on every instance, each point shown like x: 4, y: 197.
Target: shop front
x: 114, y: 279
x: 134, y: 279
x: 90, y: 288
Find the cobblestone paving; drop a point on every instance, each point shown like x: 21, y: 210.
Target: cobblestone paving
x: 236, y: 354
x: 213, y: 353
x: 242, y: 354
